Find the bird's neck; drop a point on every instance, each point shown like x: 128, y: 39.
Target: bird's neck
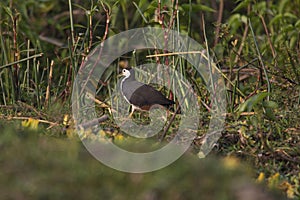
x: 130, y: 78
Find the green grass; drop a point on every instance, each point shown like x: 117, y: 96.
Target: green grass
x: 42, y: 44
x: 35, y: 166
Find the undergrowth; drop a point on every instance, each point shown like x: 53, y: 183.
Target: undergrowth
x: 255, y: 45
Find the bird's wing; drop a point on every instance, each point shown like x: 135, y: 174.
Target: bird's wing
x: 146, y: 95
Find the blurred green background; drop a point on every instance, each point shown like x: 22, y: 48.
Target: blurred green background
x: 256, y: 46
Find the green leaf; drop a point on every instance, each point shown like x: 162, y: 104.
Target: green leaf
x: 282, y: 5
x: 260, y: 7
x: 243, y: 4
x: 297, y: 24
x: 235, y: 21
x: 270, y: 113
x: 289, y: 28
x: 197, y: 7
x: 8, y: 11
x: 252, y: 102
x: 276, y: 19
x: 293, y: 41
x: 290, y: 15
x: 270, y: 104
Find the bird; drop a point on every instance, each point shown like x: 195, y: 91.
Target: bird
x: 140, y: 95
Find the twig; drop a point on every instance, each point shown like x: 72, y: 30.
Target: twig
x: 219, y: 21
x: 40, y: 120
x: 242, y: 43
x: 172, y: 119
x: 40, y: 114
x: 91, y: 31
x: 93, y: 122
x: 16, y: 57
x: 49, y: 84
x: 101, y: 48
x: 268, y: 36
x: 158, y: 12
x: 174, y: 13
x: 170, y: 123
x: 19, y: 61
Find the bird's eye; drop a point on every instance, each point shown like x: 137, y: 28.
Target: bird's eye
x: 124, y: 70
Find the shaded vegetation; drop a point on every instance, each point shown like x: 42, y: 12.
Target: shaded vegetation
x: 256, y: 45
x: 34, y: 166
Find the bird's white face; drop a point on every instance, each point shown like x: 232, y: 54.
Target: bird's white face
x: 125, y: 73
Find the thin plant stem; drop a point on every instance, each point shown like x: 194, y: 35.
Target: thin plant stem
x: 71, y: 22
x: 261, y: 60
x: 219, y: 21
x: 22, y: 60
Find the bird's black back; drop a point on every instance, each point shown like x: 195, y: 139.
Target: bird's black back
x: 146, y: 95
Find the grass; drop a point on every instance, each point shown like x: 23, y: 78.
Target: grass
x: 43, y: 44
x: 36, y: 166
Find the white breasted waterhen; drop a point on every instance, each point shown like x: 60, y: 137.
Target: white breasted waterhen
x: 140, y: 95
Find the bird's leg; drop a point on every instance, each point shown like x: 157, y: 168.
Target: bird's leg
x: 132, y: 111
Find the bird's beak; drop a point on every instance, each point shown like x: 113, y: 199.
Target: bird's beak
x: 120, y: 75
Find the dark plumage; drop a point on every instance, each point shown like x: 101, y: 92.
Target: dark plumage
x: 140, y: 95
